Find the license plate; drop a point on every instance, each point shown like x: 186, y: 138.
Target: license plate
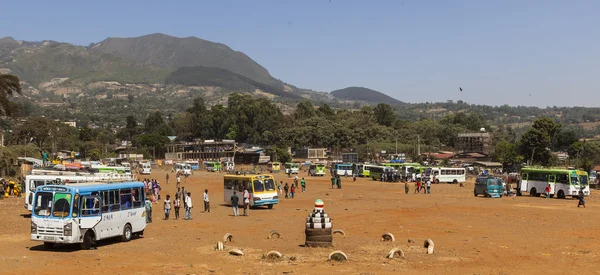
x: 48, y: 238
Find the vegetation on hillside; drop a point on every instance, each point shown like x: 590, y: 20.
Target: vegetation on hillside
x: 364, y: 94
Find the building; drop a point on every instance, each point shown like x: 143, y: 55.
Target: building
x: 311, y: 153
x: 202, y: 150
x: 71, y: 123
x: 349, y: 157
x: 474, y: 143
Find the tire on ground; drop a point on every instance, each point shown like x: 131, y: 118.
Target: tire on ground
x: 317, y: 244
x: 322, y: 238
x: 317, y: 231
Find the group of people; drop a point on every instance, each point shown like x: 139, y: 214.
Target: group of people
x: 580, y: 195
x: 419, y: 186
x: 9, y: 188
x: 290, y: 191
x: 152, y: 189
x: 336, y: 181
x: 235, y: 202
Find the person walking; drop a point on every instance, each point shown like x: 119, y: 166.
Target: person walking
x: 303, y: 184
x: 339, y: 182
x: 292, y: 190
x: 188, y: 205
x: 234, y: 203
x: 332, y: 181
x: 406, y: 188
x: 246, y: 196
x: 581, y: 198
x: 206, y: 203
x: 286, y: 188
x: 148, y: 206
x: 428, y: 187
x: 167, y: 207
x: 178, y: 181
x: 158, y: 189
x: 280, y: 188
x: 177, y: 205
x: 354, y: 178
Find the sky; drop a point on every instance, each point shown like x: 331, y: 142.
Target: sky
x: 533, y: 52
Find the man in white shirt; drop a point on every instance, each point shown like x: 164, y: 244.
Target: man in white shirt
x: 428, y: 186
x: 246, y: 197
x: 188, y: 205
x: 206, y: 203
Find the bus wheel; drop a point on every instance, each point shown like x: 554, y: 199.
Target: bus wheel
x: 454, y: 181
x: 127, y: 233
x: 475, y: 193
x: 270, y: 206
x: 533, y: 192
x: 88, y: 238
x: 560, y: 195
x: 48, y: 245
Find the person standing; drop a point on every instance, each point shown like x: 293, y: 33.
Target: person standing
x: 286, y: 188
x: 167, y: 178
x: 581, y: 198
x: 354, y: 178
x: 428, y: 186
x: 167, y: 207
x: 547, y: 191
x: 206, y: 203
x: 234, y: 204
x: 158, y: 189
x: 188, y: 205
x: 2, y: 189
x: 332, y: 181
x: 292, y: 190
x: 177, y: 205
x: 148, y: 205
x: 406, y: 188
x: 280, y: 188
x: 339, y: 182
x: 246, y: 196
x: 178, y: 181
x: 303, y: 183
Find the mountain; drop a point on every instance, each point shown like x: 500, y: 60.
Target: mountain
x: 208, y: 76
x: 172, y: 53
x: 364, y: 94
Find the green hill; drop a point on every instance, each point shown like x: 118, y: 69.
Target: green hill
x: 173, y: 53
x: 205, y: 76
x: 364, y: 94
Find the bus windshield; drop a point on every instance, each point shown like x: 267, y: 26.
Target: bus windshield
x: 57, y: 205
x: 575, y: 180
x: 583, y: 180
x: 258, y: 186
x: 269, y: 184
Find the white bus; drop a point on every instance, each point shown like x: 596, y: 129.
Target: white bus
x: 184, y: 168
x: 86, y: 213
x: 41, y: 178
x: 446, y: 174
x: 261, y: 188
x: 145, y: 168
x: 563, y: 182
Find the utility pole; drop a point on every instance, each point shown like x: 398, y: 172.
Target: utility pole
x: 418, y: 145
x: 396, y: 146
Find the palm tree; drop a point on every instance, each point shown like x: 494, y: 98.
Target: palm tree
x: 9, y: 85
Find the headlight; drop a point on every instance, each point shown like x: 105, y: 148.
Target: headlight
x: 276, y: 197
x: 33, y: 228
x: 256, y: 199
x: 68, y: 229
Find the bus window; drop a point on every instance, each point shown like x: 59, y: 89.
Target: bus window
x: 76, y: 206
x: 135, y: 197
x: 44, y: 204
x: 583, y: 180
x: 105, y: 202
x: 125, y: 198
x: 562, y: 178
x: 35, y: 183
x: 574, y: 180
x: 90, y: 206
x: 269, y: 184
x: 114, y: 200
x: 258, y: 186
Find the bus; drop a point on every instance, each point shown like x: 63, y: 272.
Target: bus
x: 194, y: 164
x: 446, y: 174
x: 563, y: 182
x: 183, y: 168
x: 145, y: 168
x: 85, y: 213
x: 111, y: 169
x: 292, y: 167
x: 261, y: 188
x: 275, y: 167
x: 213, y: 166
x: 229, y: 166
x: 39, y: 178
x: 363, y: 170
x: 344, y: 169
x: 376, y: 171
x: 317, y: 170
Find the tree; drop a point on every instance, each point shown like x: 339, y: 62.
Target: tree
x: 9, y: 85
x: 384, y: 114
x: 507, y: 153
x: 536, y: 142
x: 564, y: 139
x: 325, y: 111
x: 304, y: 110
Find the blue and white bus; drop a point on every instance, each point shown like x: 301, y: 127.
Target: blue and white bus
x: 344, y: 169
x: 85, y: 213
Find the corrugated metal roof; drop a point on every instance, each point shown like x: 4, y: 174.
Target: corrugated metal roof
x: 33, y: 160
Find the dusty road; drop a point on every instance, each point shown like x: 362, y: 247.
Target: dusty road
x: 519, y: 235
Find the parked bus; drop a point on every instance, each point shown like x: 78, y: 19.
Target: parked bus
x: 292, y: 167
x: 194, y: 164
x: 344, y: 169
x: 145, y: 168
x: 229, y: 166
x: 39, y: 178
x: 446, y: 174
x: 213, y: 166
x: 317, y: 170
x: 376, y: 171
x: 563, y: 182
x: 183, y: 168
x: 261, y: 188
x: 275, y: 167
x: 363, y: 170
x: 85, y: 213
x: 111, y: 169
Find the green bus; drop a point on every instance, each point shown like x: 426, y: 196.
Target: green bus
x: 316, y: 170
x: 213, y: 166
x: 563, y: 182
x: 364, y: 170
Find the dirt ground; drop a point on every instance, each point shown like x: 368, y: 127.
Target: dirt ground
x: 472, y: 235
